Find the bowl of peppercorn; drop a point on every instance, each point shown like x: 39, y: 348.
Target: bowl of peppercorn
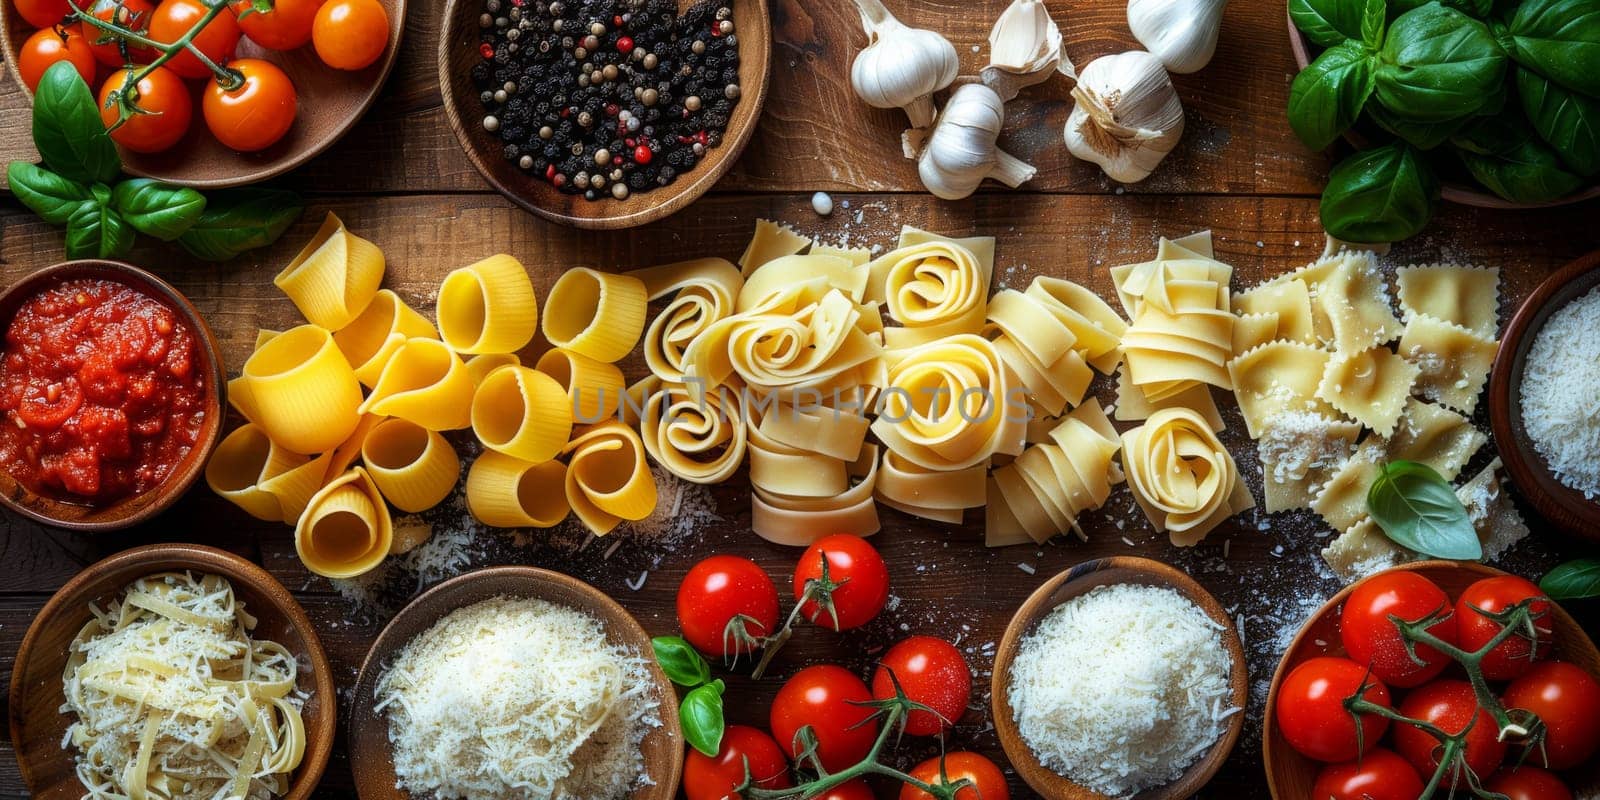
x: 604, y: 114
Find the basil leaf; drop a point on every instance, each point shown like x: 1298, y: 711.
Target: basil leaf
x: 1504, y: 155
x: 1573, y: 580
x: 241, y: 219
x: 1477, y: 8
x: 1327, y: 22
x: 1566, y: 120
x: 1561, y: 40
x: 680, y: 661
x: 67, y: 128
x: 157, y: 209
x: 1421, y: 135
x: 45, y: 193
x: 1416, y: 508
x: 1438, y: 64
x: 701, y: 715
x: 97, y: 231
x: 1374, y: 18
x: 1327, y: 96
x: 1380, y: 195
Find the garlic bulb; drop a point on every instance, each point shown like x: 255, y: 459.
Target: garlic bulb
x: 960, y: 151
x: 1126, y: 115
x: 901, y: 67
x: 1182, y: 33
x: 1024, y: 48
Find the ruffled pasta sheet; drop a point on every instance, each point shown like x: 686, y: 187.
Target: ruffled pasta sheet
x: 933, y: 286
x: 1453, y: 362
x: 522, y: 413
x: 426, y: 383
x: 597, y: 314
x: 607, y: 479
x: 1052, y: 484
x: 334, y: 276
x: 1299, y: 452
x: 488, y: 307
x: 372, y: 338
x: 1466, y: 296
x: 798, y: 520
x: 702, y: 440
x: 507, y: 492
x: 858, y: 256
x: 1182, y: 476
x: 1133, y: 406
x: 778, y: 274
x: 414, y: 468
x: 1182, y: 329
x: 345, y: 530
x: 770, y: 241
x: 703, y: 291
x: 1434, y: 435
x: 1355, y: 301
x: 595, y: 390
x: 302, y: 390
x: 1289, y: 300
x: 1370, y: 386
x: 1040, y: 348
x: 1279, y: 377
x: 951, y: 404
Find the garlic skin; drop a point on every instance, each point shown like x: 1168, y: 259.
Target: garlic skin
x: 901, y: 67
x: 1024, y: 49
x: 960, y: 151
x: 1182, y: 33
x: 1126, y: 116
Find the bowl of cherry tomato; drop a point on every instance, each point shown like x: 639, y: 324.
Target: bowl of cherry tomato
x: 285, y: 79
x: 1436, y: 672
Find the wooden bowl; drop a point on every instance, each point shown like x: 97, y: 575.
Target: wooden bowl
x: 330, y: 100
x: 1072, y: 583
x: 138, y: 508
x: 458, y: 52
x: 1290, y: 775
x: 1461, y: 193
x: 37, y: 723
x: 1554, y: 500
x: 370, y: 753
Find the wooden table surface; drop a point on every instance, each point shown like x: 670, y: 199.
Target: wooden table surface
x: 400, y: 181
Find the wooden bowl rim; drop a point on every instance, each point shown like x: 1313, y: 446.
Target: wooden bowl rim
x: 1058, y: 787
x: 535, y: 580
x: 17, y: 498
x: 198, y: 558
x: 672, y: 198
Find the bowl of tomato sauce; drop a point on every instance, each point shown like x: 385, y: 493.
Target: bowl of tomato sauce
x: 111, y: 395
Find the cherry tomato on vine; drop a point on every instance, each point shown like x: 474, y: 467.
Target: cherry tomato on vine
x: 714, y: 593
x: 173, y: 19
x: 43, y: 13
x: 285, y: 27
x: 1311, y: 711
x: 48, y: 46
x: 706, y: 778
x: 1567, y: 699
x: 163, y: 95
x: 131, y: 14
x: 1370, y: 638
x: 931, y: 672
x: 825, y: 697
x: 1450, y: 705
x: 255, y: 115
x: 849, y: 790
x: 859, y: 574
x: 1378, y: 775
x: 1514, y: 656
x: 1528, y: 783
x: 988, y: 782
x: 350, y: 34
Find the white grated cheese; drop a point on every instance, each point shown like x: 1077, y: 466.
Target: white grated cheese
x: 1561, y: 393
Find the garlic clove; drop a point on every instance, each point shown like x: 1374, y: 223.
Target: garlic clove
x: 1182, y: 33
x: 1024, y: 48
x: 1126, y: 115
x: 961, y: 150
x: 901, y: 67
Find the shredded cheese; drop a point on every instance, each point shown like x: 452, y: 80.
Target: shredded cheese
x: 1561, y: 393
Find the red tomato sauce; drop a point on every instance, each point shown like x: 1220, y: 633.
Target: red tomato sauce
x: 101, y: 391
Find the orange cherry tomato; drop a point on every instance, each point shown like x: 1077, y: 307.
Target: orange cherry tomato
x: 49, y: 45
x: 131, y: 14
x: 173, y: 19
x: 285, y: 27
x: 350, y: 34
x: 255, y: 115
x: 161, y: 93
x: 43, y: 13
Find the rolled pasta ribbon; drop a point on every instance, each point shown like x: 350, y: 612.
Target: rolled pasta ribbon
x: 413, y: 467
x: 506, y: 492
x: 834, y: 432
x: 702, y: 441
x: 346, y: 529
x: 242, y: 462
x: 950, y: 405
x: 608, y: 479
x: 305, y: 395
x: 940, y: 496
x: 522, y: 413
x: 1040, y: 349
x: 781, y: 469
x: 1182, y: 476
x: 334, y: 277
x: 934, y: 288
x: 774, y: 276
x: 1097, y: 328
x: 1052, y: 484
x: 488, y: 307
x: 704, y: 292
x: 790, y: 346
x: 372, y: 338
x: 596, y: 314
x: 595, y: 389
x: 479, y: 366
x: 425, y: 383
x: 799, y: 521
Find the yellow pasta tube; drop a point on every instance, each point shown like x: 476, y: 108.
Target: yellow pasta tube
x: 594, y: 388
x: 304, y: 392
x: 607, y: 478
x: 488, y: 307
x: 522, y: 413
x: 242, y: 461
x: 414, y: 467
x: 372, y: 338
x: 334, y: 276
x: 295, y: 488
x: 346, y: 529
x: 426, y: 383
x: 480, y: 366
x: 241, y: 399
x: 506, y: 492
x: 594, y: 313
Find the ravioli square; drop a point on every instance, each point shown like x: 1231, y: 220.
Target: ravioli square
x: 1299, y: 452
x: 1342, y: 502
x: 1289, y: 299
x: 1371, y: 386
x: 1434, y: 435
x: 1355, y: 300
x: 1466, y: 296
x: 1453, y: 361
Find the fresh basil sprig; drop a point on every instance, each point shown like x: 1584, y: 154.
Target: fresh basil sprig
x: 1416, y: 508
x: 700, y: 711
x: 1573, y: 580
x: 67, y: 130
x: 236, y: 220
x: 1380, y: 195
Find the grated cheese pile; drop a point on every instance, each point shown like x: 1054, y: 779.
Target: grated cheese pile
x: 1561, y: 393
x: 1122, y: 688
x: 518, y: 698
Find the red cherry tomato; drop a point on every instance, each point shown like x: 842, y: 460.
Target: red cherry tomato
x: 1450, y: 705
x: 1379, y: 775
x: 131, y: 14
x: 825, y: 697
x: 1311, y: 710
x: 1514, y: 656
x: 706, y: 778
x: 255, y: 115
x: 931, y: 672
x: 1567, y: 699
x: 1370, y: 638
x: 46, y: 47
x: 350, y: 34
x: 716, y: 592
x: 163, y: 95
x: 43, y: 13
x: 173, y: 18
x: 988, y: 782
x: 862, y: 576
x: 849, y: 790
x: 1528, y: 783
x: 285, y: 27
